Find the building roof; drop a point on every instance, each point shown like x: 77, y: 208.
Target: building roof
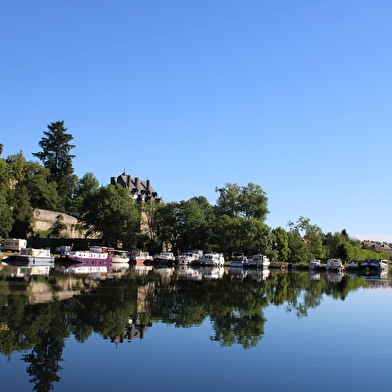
x: 141, y: 189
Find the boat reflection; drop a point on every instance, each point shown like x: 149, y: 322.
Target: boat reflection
x: 209, y: 272
x: 313, y: 275
x: 25, y: 272
x: 259, y: 274
x: 238, y: 273
x: 140, y: 269
x: 188, y: 272
x: 91, y: 270
x: 165, y: 272
x: 119, y: 268
x: 334, y: 277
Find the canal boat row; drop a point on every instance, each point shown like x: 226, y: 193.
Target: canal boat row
x: 238, y: 259
x: 337, y: 265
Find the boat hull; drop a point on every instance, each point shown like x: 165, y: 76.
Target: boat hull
x: 85, y: 259
x: 29, y: 261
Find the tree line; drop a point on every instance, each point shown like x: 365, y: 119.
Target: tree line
x: 235, y: 223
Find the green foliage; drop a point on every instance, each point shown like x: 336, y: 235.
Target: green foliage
x: 311, y: 235
x: 281, y: 245
x: 165, y: 223
x: 84, y: 188
x: 42, y: 194
x: 113, y: 214
x: 59, y: 226
x: 6, y: 219
x: 245, y: 202
x: 22, y: 212
x: 56, y: 157
x: 240, y: 213
x: 34, y: 177
x: 298, y: 248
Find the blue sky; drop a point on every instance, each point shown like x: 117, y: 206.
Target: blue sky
x: 294, y: 96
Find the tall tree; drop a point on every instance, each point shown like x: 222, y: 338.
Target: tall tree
x: 84, y: 188
x: 281, y: 244
x: 165, y: 225
x: 312, y: 236
x: 240, y: 215
x: 56, y: 157
x: 113, y: 214
x: 18, y: 197
x: 298, y: 248
x: 43, y: 194
x: 242, y: 201
x: 22, y: 212
x: 6, y: 219
x: 34, y: 176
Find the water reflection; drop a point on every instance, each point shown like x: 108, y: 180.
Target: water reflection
x: 131, y: 298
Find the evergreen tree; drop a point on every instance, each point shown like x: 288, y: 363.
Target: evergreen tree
x: 56, y: 157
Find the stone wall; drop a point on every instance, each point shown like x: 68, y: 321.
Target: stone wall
x: 44, y: 220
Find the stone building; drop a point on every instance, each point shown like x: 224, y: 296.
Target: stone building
x: 141, y: 190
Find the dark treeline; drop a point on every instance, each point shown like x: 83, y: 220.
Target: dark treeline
x: 235, y: 223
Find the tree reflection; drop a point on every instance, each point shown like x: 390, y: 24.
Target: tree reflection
x: 44, y: 362
x: 235, y: 308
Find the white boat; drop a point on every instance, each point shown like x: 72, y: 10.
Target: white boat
x: 259, y: 261
x: 187, y: 257
x: 376, y: 265
x: 335, y: 265
x: 238, y: 259
x: 94, y: 254
x: 31, y: 257
x: 214, y: 259
x: 383, y: 265
x: 165, y: 257
x: 314, y: 264
x: 199, y: 252
x: 120, y: 256
x: 139, y: 257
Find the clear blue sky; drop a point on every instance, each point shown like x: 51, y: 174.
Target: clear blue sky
x: 294, y: 96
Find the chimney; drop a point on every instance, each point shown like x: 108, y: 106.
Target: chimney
x: 113, y: 180
x: 148, y: 186
x: 137, y: 183
x: 128, y: 181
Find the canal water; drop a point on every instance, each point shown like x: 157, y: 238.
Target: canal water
x: 184, y: 329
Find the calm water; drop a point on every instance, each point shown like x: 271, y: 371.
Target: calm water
x: 186, y: 329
